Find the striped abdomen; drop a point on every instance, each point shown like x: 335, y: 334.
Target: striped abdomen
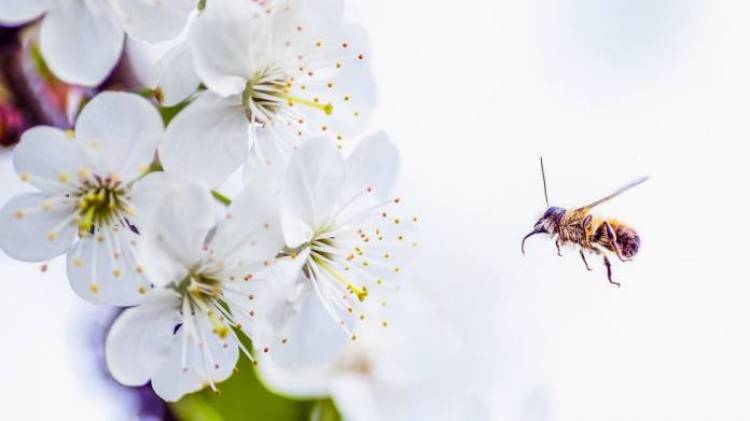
x: 626, y: 238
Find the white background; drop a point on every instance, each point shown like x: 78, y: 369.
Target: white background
x: 474, y: 91
x: 607, y: 90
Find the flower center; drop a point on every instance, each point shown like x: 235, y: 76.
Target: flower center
x: 268, y: 91
x: 100, y: 201
x: 204, y: 292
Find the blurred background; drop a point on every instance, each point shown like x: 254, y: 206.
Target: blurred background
x: 474, y: 92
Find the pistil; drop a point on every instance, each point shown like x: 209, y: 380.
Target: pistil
x: 99, y: 202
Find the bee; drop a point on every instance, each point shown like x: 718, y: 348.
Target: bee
x: 591, y: 234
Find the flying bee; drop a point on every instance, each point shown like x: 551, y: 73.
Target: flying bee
x: 591, y: 234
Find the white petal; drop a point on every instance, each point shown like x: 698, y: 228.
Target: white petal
x: 36, y: 227
x: 16, y: 12
x: 104, y: 269
x: 170, y: 382
x: 50, y: 160
x: 312, y: 187
x: 213, y: 361
x: 305, y: 18
x: 207, y: 141
x: 313, y: 383
x: 268, y: 166
x: 121, y: 131
x: 251, y: 237
x: 140, y: 340
x: 81, y: 46
x: 149, y: 192
x: 153, y: 21
x: 353, y: 100
x: 314, y: 338
x: 374, y: 163
x: 230, y: 38
x: 175, y: 75
x: 262, y: 305
x: 173, y: 240
x: 338, y: 74
x: 356, y: 399
x: 296, y: 231
x: 148, y: 196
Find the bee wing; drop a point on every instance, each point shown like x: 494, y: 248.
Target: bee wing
x: 617, y: 192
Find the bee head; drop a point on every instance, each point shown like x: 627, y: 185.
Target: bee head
x: 548, y: 223
x: 550, y: 220
x: 628, y: 241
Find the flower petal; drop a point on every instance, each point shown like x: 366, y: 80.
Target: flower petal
x: 267, y: 166
x: 374, y: 163
x: 140, y: 340
x: 314, y: 338
x: 104, y: 269
x: 312, y: 187
x: 337, y: 74
x: 304, y: 18
x: 81, y: 46
x: 229, y: 39
x: 209, y: 359
x: 153, y: 21
x: 251, y: 237
x: 175, y: 75
x: 148, y: 196
x: 50, y: 160
x: 121, y: 131
x: 311, y: 383
x: 36, y: 227
x: 207, y: 141
x: 173, y: 239
x: 356, y: 399
x: 17, y: 12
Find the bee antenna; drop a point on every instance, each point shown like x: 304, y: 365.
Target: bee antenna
x: 544, y: 181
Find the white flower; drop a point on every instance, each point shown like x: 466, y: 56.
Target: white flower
x: 166, y: 67
x: 347, y: 242
x: 408, y: 371
x: 174, y: 78
x: 84, y: 180
x: 185, y: 336
x: 274, y: 75
x: 81, y: 40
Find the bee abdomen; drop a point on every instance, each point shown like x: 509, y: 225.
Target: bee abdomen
x: 626, y: 238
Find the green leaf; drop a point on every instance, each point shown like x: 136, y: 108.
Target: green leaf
x: 325, y: 410
x: 242, y: 397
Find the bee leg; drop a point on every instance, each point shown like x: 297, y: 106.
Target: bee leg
x: 613, y: 244
x: 557, y: 244
x: 583, y: 256
x: 609, y: 272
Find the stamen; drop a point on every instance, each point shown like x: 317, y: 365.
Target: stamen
x: 326, y: 108
x: 323, y: 263
x: 326, y: 303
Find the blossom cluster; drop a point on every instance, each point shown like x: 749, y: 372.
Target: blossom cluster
x: 298, y: 263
